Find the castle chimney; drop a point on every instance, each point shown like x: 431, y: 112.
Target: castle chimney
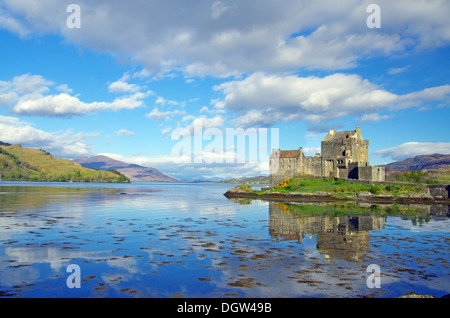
x: 358, y: 133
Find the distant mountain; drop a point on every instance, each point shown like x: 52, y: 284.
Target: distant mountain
x: 201, y: 179
x: 26, y: 164
x: 424, y: 162
x: 249, y: 180
x: 132, y: 171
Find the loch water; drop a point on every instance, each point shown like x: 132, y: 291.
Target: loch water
x: 188, y: 240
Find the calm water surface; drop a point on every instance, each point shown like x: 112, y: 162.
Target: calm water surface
x: 188, y: 240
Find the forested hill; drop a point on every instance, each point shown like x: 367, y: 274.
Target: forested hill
x: 26, y: 164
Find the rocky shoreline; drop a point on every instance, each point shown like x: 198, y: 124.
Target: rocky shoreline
x: 327, y: 197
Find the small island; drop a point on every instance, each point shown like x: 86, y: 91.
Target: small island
x: 340, y: 173
x: 309, y: 188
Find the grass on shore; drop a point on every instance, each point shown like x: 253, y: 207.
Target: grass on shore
x: 337, y: 187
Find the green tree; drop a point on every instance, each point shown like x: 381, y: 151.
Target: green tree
x: 77, y: 176
x: 412, y: 176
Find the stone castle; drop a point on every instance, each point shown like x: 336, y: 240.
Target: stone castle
x: 344, y: 155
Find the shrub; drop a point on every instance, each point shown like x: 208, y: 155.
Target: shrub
x: 244, y: 187
x: 392, y: 188
x: 284, y: 184
x: 376, y: 189
x: 412, y: 176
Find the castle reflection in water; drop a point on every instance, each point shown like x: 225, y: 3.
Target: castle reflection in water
x: 339, y: 235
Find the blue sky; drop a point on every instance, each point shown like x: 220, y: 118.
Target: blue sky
x: 137, y: 73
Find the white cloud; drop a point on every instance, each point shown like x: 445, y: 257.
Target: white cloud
x: 61, y: 144
x: 412, y: 149
x: 439, y: 93
x: 311, y: 151
x: 258, y: 118
x: 218, y: 8
x: 114, y: 156
x: 317, y: 132
x: 64, y: 89
x: 122, y: 86
x: 124, y: 132
x: 20, y: 85
x: 398, y: 70
x: 162, y: 101
x: 324, y: 129
x: 30, y: 95
x: 63, y: 105
x: 372, y: 118
x: 8, y: 98
x: 30, y: 84
x: 236, y: 37
x: 160, y: 115
x: 12, y: 24
x: 202, y: 123
x: 188, y: 118
x: 263, y: 100
x: 165, y: 131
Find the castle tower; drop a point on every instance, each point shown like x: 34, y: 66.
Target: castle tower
x: 344, y: 147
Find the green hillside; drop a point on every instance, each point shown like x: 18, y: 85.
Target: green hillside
x: 25, y: 164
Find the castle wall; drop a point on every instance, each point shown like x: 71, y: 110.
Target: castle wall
x: 378, y: 174
x: 343, y: 173
x: 354, y: 171
x: 439, y: 190
x: 311, y: 166
x: 329, y: 169
x: 288, y: 167
x: 363, y: 171
x: 281, y: 168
